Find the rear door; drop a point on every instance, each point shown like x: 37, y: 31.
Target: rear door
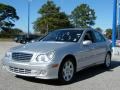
x: 100, y: 46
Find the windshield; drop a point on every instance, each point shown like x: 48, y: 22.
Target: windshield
x: 64, y: 36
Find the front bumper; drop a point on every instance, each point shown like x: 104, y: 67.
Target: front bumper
x: 42, y: 71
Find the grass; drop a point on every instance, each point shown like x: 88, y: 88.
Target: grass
x: 6, y: 39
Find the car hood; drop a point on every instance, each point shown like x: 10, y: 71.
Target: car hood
x: 41, y: 47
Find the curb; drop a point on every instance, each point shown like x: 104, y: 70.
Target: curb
x: 116, y: 51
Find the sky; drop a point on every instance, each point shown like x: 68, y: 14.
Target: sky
x: 103, y: 9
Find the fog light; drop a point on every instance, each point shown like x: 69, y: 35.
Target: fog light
x: 34, y: 71
x: 43, y: 72
x: 39, y: 72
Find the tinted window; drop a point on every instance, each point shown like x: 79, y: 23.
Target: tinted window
x: 64, y: 36
x: 99, y: 37
x: 89, y: 36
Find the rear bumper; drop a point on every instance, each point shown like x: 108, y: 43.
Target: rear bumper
x: 41, y: 71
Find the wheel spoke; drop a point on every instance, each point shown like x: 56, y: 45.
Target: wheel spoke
x: 68, y: 71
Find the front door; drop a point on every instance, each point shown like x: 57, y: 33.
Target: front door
x: 88, y: 51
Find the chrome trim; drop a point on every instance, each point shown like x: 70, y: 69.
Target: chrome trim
x: 19, y: 70
x: 22, y: 57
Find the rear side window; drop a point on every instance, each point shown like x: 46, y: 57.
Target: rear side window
x: 99, y: 37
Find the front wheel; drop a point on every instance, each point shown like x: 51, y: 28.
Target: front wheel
x: 67, y: 71
x: 107, y: 62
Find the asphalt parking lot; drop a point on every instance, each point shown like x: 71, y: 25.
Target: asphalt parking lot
x: 95, y: 78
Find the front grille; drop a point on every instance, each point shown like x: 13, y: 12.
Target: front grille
x: 22, y: 57
x: 19, y: 70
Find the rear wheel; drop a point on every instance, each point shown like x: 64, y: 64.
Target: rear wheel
x: 67, y: 70
x: 107, y: 62
x: 24, y: 42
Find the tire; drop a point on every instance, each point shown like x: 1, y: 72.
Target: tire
x: 23, y: 42
x: 67, y: 71
x: 107, y: 62
x: 16, y: 41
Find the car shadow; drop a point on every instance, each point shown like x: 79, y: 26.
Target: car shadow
x: 79, y: 76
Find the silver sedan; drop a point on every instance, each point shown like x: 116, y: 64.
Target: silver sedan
x: 59, y: 55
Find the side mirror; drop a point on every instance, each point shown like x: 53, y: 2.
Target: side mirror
x: 87, y: 42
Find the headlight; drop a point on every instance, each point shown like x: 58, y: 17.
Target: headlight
x: 45, y: 57
x: 8, y: 55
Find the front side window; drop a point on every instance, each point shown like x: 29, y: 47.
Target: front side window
x: 99, y: 37
x: 89, y: 36
x: 64, y: 36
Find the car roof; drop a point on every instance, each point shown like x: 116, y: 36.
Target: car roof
x: 82, y: 29
x: 77, y: 29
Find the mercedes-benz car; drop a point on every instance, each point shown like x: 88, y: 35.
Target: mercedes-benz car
x: 59, y: 55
